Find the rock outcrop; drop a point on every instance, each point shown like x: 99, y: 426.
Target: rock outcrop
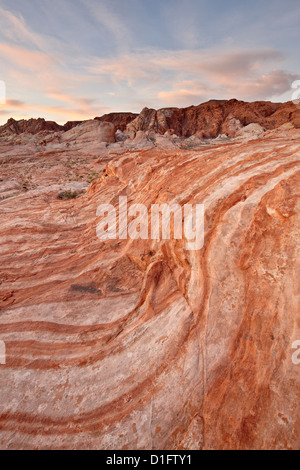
x: 119, y: 120
x: 251, y: 131
x: 31, y: 126
x: 35, y: 126
x: 141, y: 344
x: 216, y: 117
x: 71, y: 124
x: 206, y: 121
x: 89, y: 132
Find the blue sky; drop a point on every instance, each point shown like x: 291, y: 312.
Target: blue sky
x: 77, y: 59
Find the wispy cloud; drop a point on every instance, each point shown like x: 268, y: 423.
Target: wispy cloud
x: 16, y: 31
x: 37, y: 71
x: 263, y: 87
x: 74, y: 59
x: 31, y: 61
x: 14, y: 28
x: 108, y: 18
x: 187, y: 77
x: 146, y: 64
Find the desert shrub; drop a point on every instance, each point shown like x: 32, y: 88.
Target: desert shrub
x: 69, y: 194
x: 93, y: 176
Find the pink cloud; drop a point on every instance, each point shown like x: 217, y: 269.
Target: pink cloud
x: 24, y: 58
x: 157, y: 78
x: 136, y: 66
x: 258, y: 87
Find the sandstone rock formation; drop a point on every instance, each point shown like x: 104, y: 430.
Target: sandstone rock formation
x: 251, y: 131
x: 231, y: 126
x: 206, y: 121
x: 35, y: 126
x: 119, y: 120
x: 124, y: 344
x: 71, y: 124
x: 32, y: 126
x: 216, y: 117
x: 91, y: 131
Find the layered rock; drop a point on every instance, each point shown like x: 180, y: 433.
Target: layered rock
x: 251, y: 131
x: 119, y: 120
x: 31, y: 126
x: 71, y: 124
x: 206, y: 121
x: 90, y: 131
x: 35, y: 126
x: 216, y: 117
x: 142, y: 344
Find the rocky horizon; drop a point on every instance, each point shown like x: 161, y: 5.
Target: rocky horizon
x: 206, y: 120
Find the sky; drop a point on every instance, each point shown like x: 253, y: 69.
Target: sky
x: 76, y: 59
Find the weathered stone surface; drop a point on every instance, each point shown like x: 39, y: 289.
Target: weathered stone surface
x: 251, y: 131
x: 216, y: 117
x: 31, y: 126
x: 206, y: 121
x: 142, y: 344
x: 231, y: 126
x: 35, y: 126
x: 91, y: 131
x: 119, y: 120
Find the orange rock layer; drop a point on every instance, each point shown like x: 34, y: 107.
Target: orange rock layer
x: 141, y: 344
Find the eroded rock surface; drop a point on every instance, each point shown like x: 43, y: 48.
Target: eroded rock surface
x: 119, y: 120
x: 142, y: 344
x: 205, y: 121
x: 215, y: 117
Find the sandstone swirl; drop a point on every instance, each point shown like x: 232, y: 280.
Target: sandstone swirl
x: 141, y: 344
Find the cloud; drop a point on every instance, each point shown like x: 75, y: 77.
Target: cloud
x: 57, y: 113
x: 158, y: 78
x: 260, y: 87
x: 70, y: 99
x: 263, y: 86
x: 109, y: 18
x: 238, y: 63
x: 186, y: 93
x: 16, y: 104
x: 25, y: 59
x: 183, y: 78
x: 129, y: 68
x: 45, y: 76
x: 70, y: 108
x: 69, y: 114
x: 13, y: 28
x: 140, y: 65
x: 30, y: 71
